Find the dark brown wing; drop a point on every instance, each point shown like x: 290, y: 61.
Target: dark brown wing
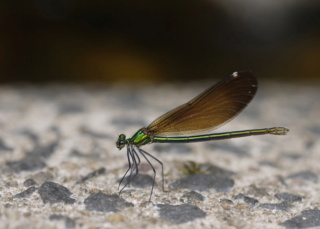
x: 209, y: 110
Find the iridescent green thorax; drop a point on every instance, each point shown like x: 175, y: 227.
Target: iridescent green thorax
x: 141, y: 137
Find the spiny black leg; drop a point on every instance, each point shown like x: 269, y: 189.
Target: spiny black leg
x: 154, y: 170
x: 137, y: 169
x: 136, y: 160
x: 136, y: 155
x: 156, y: 159
x: 129, y: 167
x: 134, y: 167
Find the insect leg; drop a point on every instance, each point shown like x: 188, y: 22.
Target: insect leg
x: 156, y: 159
x: 154, y: 170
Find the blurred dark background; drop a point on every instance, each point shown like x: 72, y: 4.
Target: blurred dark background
x: 158, y: 41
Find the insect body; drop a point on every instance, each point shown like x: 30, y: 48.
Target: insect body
x: 209, y: 110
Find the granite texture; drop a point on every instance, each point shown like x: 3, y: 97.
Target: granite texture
x: 60, y: 167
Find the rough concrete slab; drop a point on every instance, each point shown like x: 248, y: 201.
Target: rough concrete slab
x: 60, y: 141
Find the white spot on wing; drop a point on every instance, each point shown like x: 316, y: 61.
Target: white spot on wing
x: 235, y: 74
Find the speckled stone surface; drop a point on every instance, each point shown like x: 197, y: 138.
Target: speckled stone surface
x: 60, y: 167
